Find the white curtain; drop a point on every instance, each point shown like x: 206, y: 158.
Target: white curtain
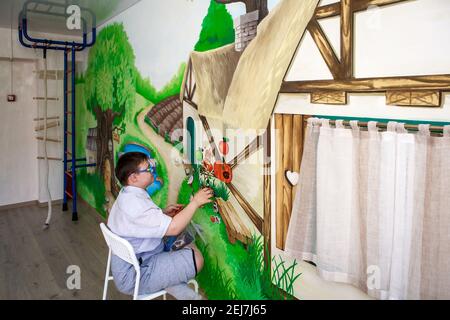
x: 373, y: 209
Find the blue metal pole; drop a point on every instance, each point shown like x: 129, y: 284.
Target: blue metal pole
x: 65, y: 133
x: 74, y: 180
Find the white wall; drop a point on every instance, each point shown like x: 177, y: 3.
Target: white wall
x: 403, y: 39
x: 22, y: 176
x: 18, y: 148
x: 397, y: 40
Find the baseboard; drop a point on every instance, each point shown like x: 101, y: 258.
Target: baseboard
x: 18, y: 205
x: 45, y: 204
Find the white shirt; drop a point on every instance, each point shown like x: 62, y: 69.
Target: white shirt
x: 136, y: 218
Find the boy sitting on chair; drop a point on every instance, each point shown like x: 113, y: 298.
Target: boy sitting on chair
x: 137, y: 219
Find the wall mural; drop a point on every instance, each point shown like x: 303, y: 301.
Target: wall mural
x: 120, y: 110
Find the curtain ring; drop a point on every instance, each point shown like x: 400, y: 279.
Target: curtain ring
x: 354, y: 124
x: 325, y: 123
x: 424, y: 129
x: 372, y: 126
x: 447, y: 131
x: 391, y: 126
x: 339, y: 124
x: 401, y: 128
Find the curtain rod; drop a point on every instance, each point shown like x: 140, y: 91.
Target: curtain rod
x: 383, y: 125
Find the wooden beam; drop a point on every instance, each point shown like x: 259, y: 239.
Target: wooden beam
x: 252, y: 214
x: 431, y: 82
x: 267, y: 227
x: 287, y: 165
x: 246, y: 153
x: 329, y: 97
x: 414, y: 98
x: 279, y: 177
x: 346, y: 39
x: 325, y: 48
x: 334, y: 9
x: 210, y: 137
x: 192, y: 104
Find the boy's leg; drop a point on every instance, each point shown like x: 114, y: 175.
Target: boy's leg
x: 183, y: 292
x: 167, y: 269
x: 199, y: 261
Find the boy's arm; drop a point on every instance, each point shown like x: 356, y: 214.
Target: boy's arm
x: 182, y: 219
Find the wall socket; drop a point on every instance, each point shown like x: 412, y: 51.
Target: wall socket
x: 11, y: 97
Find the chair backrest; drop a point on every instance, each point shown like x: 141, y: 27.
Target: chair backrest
x: 119, y: 246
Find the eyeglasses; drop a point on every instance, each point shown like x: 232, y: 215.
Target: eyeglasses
x: 151, y: 168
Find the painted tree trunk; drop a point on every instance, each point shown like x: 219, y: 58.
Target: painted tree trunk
x: 105, y: 149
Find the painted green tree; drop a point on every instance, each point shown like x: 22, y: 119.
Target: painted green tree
x: 110, y: 91
x: 217, y: 28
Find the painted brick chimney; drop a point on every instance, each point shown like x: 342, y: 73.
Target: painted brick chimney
x: 245, y: 28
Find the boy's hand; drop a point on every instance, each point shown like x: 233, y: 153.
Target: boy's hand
x: 203, y: 196
x: 173, y: 209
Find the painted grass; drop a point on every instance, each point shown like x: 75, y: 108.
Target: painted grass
x: 233, y: 271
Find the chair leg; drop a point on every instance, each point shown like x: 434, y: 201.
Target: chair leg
x: 195, y: 283
x: 105, y: 287
x: 164, y: 297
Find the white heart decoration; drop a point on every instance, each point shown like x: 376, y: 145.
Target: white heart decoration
x: 292, y: 177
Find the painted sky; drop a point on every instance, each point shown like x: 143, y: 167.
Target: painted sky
x: 163, y: 33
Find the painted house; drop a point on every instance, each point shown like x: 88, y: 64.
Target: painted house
x: 309, y: 61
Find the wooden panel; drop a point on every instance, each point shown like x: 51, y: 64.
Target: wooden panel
x: 231, y: 233
x: 267, y: 197
x: 287, y: 163
x: 326, y: 50
x: 414, y: 98
x: 434, y: 82
x: 236, y: 229
x: 279, y: 177
x: 329, y: 97
x: 289, y: 151
x: 297, y: 147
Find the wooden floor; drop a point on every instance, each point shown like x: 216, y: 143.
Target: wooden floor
x: 33, y: 261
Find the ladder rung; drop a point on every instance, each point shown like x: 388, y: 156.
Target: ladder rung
x: 69, y: 71
x: 69, y: 194
x: 48, y: 139
x: 49, y: 118
x: 67, y: 132
x: 68, y: 112
x: 50, y: 158
x: 43, y: 98
x: 68, y: 152
x: 69, y: 91
x: 69, y: 173
x: 49, y: 125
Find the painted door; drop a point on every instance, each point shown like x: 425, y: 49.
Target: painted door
x: 191, y: 140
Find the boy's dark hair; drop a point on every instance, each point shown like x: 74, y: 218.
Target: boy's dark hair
x: 129, y: 163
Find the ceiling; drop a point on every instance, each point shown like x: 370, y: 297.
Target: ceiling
x: 44, y: 18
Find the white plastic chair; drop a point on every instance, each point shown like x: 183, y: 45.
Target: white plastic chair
x: 123, y: 249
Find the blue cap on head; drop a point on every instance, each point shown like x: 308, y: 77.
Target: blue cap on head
x: 133, y: 147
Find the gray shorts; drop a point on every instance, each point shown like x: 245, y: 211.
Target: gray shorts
x: 159, y: 270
